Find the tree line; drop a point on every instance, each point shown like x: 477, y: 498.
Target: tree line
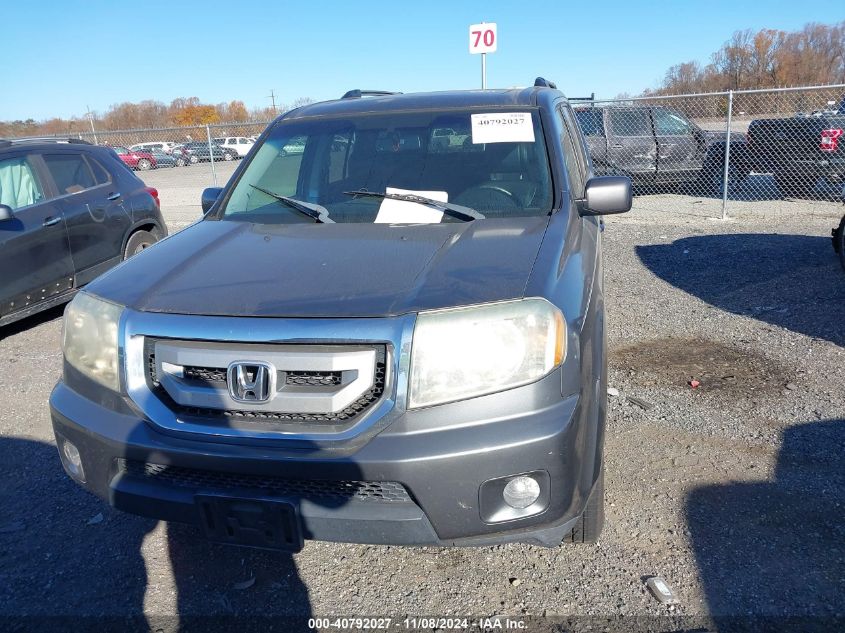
x: 181, y: 112
x: 813, y: 56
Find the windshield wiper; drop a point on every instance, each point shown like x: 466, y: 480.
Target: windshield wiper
x: 314, y: 211
x: 454, y: 210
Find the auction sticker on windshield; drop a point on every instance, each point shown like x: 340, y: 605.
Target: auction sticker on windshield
x: 502, y: 127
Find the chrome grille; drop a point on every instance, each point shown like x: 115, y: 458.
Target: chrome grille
x: 315, y: 381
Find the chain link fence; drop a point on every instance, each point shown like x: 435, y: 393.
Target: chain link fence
x: 727, y: 151
x: 709, y: 155
x: 182, y: 161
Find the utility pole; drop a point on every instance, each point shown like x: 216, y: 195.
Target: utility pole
x: 272, y: 97
x: 91, y: 121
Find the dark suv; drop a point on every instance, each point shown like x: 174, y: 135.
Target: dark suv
x: 658, y: 146
x: 69, y: 211
x: 382, y: 338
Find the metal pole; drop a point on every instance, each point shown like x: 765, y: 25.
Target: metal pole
x: 484, y: 71
x: 211, y: 154
x: 91, y: 121
x: 727, y: 157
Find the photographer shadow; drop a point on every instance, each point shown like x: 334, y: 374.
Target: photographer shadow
x: 67, y: 557
x: 775, y: 548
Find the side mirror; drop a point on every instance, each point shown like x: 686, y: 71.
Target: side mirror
x: 5, y: 213
x: 604, y: 195
x: 209, y: 197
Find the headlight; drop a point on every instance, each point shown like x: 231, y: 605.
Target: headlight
x: 89, y: 338
x: 465, y: 352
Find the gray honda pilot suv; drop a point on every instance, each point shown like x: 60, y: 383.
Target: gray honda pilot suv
x: 395, y: 335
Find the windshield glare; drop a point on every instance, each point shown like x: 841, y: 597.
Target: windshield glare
x: 434, y: 154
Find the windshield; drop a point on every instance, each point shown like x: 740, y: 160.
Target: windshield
x: 493, y: 162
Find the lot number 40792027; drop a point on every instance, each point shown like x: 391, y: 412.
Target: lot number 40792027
x: 483, y: 38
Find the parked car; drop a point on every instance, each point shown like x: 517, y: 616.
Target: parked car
x: 142, y: 161
x: 64, y: 220
x: 162, y: 146
x: 162, y: 159
x: 385, y: 343
x: 655, y: 145
x: 239, y: 144
x: 181, y: 156
x: 838, y: 235
x: 199, y: 151
x: 800, y: 150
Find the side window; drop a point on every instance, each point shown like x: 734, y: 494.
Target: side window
x: 670, y: 123
x: 574, y: 163
x: 19, y: 186
x: 120, y: 150
x: 590, y: 120
x: 338, y: 156
x: 101, y: 176
x: 70, y: 172
x: 630, y: 123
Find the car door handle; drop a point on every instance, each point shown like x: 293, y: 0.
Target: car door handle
x: 113, y: 196
x: 51, y: 221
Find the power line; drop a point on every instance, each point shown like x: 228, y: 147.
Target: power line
x: 272, y: 97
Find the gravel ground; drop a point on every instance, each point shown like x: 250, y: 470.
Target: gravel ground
x: 733, y: 491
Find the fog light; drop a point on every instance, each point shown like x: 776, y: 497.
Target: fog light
x: 72, y: 461
x: 521, y: 492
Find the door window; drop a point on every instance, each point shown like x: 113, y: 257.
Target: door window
x: 101, y: 176
x: 70, y: 173
x: 18, y: 185
x: 668, y: 123
x: 630, y: 123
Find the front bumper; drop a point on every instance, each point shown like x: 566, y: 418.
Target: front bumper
x: 441, y: 456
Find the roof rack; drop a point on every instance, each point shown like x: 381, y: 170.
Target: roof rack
x: 545, y: 83
x: 43, y: 139
x: 357, y: 94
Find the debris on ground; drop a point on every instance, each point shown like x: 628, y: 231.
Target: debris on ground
x: 643, y: 404
x: 245, y: 584
x: 695, y: 384
x: 612, y: 391
x: 660, y: 590
x: 97, y: 518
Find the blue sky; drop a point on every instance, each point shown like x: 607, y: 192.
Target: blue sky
x: 62, y: 56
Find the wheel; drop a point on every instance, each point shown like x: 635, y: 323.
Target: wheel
x: 194, y: 158
x: 137, y: 242
x: 590, y: 524
x: 144, y: 164
x: 228, y: 156
x: 839, y: 241
x: 791, y: 186
x: 180, y: 162
x: 713, y: 174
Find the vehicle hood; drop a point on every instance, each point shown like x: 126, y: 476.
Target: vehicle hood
x: 327, y: 270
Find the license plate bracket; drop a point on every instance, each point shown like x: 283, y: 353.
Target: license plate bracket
x: 254, y: 522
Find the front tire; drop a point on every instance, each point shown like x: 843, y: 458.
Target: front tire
x: 137, y: 242
x: 590, y: 524
x: 194, y: 158
x: 228, y: 156
x: 144, y: 164
x: 839, y: 241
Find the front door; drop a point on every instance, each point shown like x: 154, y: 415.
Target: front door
x: 631, y: 147
x: 680, y: 154
x: 35, y: 261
